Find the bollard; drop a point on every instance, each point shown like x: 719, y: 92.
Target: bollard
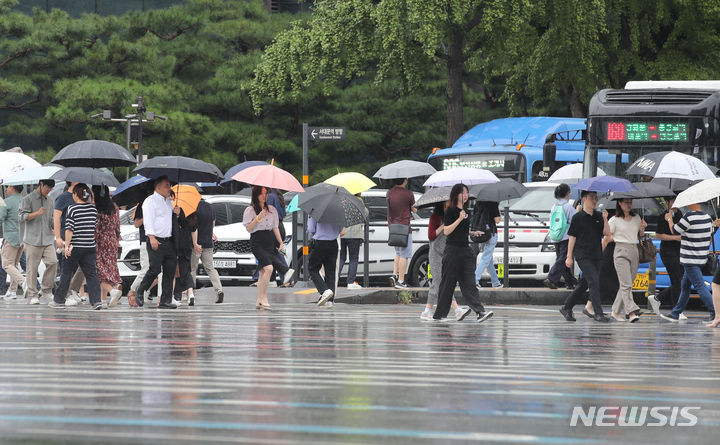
x: 366, y: 255
x: 294, y: 258
x: 506, y: 247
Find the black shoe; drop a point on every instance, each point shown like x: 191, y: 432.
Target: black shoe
x: 570, y: 286
x: 219, y: 295
x: 586, y: 312
x: 549, y: 284
x: 601, y: 318
x: 97, y: 306
x: 567, y: 313
x: 467, y: 312
x: 139, y: 299
x: 482, y: 316
x: 167, y: 306
x: 393, y: 280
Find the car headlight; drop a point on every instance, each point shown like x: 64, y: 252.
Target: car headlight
x: 133, y: 236
x: 548, y: 247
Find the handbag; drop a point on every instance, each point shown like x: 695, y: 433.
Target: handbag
x: 646, y: 250
x: 398, y: 235
x: 711, y: 264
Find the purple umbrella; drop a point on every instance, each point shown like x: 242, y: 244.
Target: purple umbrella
x: 605, y: 184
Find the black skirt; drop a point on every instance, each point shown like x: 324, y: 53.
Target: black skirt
x: 262, y: 244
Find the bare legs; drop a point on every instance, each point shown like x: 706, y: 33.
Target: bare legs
x: 263, y: 280
x: 716, y: 305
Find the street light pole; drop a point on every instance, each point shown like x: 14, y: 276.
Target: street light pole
x: 140, y: 110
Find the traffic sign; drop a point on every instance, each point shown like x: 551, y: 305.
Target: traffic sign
x: 327, y: 133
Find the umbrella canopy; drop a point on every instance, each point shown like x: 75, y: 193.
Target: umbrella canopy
x: 94, y: 153
x: 269, y: 176
x: 187, y: 198
x: 331, y: 204
x: 670, y: 164
x: 500, y: 191
x: 353, y: 182
x: 605, y: 184
x: 293, y: 205
x: 434, y: 196
x: 699, y: 193
x: 570, y: 174
x: 131, y: 191
x: 242, y: 166
x: 464, y: 175
x: 645, y: 190
x: 179, y: 169
x: 12, y: 163
x: 405, y: 169
x: 674, y: 184
x: 85, y: 175
x: 31, y: 175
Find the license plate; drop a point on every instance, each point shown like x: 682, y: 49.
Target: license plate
x: 511, y: 260
x: 224, y: 264
x: 641, y: 281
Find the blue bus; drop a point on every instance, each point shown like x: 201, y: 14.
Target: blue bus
x: 513, y: 147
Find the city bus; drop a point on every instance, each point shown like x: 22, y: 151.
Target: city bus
x: 513, y: 147
x: 651, y: 116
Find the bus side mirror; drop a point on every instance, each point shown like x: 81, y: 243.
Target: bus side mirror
x: 549, y: 150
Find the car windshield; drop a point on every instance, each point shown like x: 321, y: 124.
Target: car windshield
x: 535, y: 200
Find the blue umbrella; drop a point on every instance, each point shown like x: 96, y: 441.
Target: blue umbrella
x: 242, y: 166
x: 605, y: 184
x: 131, y: 191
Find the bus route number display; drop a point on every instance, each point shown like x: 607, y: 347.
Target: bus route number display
x: 647, y: 132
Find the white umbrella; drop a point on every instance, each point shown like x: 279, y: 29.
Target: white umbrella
x: 11, y: 163
x: 464, y: 175
x: 571, y: 174
x: 32, y: 175
x: 405, y: 169
x: 699, y: 193
x: 671, y: 164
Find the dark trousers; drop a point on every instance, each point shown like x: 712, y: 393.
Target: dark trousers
x: 165, y: 259
x: 351, y: 246
x: 85, y: 258
x: 184, y: 281
x: 323, y: 254
x: 675, y: 272
x: 590, y: 268
x: 458, y: 266
x: 559, y: 269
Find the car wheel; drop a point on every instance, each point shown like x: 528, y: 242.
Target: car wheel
x: 419, y: 271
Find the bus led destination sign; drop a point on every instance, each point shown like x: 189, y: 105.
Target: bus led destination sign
x: 651, y: 131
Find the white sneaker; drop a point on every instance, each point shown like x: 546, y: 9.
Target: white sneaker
x: 329, y: 304
x: 461, y: 313
x: 354, y: 286
x: 104, y: 304
x: 34, y: 300
x: 272, y: 284
x: 682, y: 317
x: 288, y: 276
x: 426, y: 315
x: 654, y: 303
x: 115, y: 296
x: 9, y: 296
x: 328, y: 294
x: 72, y: 300
x: 499, y: 286
x: 47, y: 297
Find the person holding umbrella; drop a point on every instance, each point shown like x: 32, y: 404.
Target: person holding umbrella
x: 323, y: 254
x: 157, y: 220
x: 458, y: 259
x: 262, y: 222
x: 670, y: 256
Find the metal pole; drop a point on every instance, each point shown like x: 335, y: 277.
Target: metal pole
x: 305, y: 182
x: 590, y: 160
x: 366, y: 255
x: 506, y: 248
x: 140, y: 110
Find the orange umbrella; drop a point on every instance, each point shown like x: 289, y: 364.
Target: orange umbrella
x: 187, y: 198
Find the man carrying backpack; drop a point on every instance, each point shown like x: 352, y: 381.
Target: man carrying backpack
x: 486, y: 216
x: 560, y: 217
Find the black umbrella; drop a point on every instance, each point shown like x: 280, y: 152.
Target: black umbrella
x: 645, y: 190
x: 498, y: 191
x: 331, y: 204
x: 132, y: 191
x: 85, y: 175
x: 94, y: 153
x: 179, y: 169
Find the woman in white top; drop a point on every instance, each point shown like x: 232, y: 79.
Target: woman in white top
x: 626, y: 228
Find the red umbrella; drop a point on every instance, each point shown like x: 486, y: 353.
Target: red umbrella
x: 269, y: 176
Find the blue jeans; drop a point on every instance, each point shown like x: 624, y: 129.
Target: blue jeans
x: 692, y: 277
x: 486, y: 261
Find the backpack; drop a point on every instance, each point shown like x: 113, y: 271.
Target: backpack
x: 558, y: 223
x: 481, y: 221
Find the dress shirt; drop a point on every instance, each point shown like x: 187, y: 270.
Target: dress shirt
x: 322, y: 231
x: 157, y: 216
